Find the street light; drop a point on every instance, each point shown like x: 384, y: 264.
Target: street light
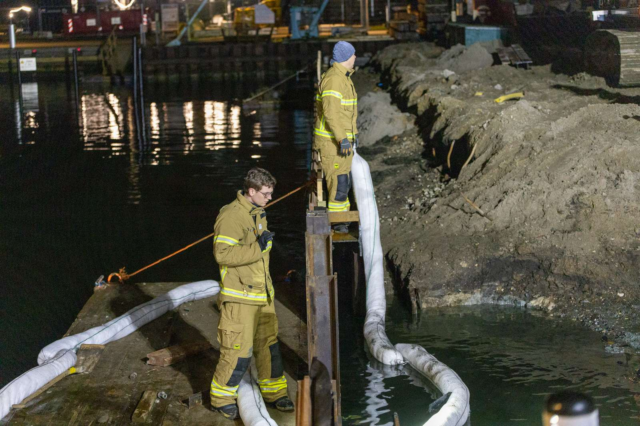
x: 20, y: 9
x: 12, y: 29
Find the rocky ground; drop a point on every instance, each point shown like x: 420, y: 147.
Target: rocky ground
x: 532, y: 202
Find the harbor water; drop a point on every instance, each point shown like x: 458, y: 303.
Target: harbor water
x: 85, y: 191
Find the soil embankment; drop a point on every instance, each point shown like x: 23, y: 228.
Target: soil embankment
x: 532, y: 202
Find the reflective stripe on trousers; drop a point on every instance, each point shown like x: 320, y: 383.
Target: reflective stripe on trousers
x: 272, y: 385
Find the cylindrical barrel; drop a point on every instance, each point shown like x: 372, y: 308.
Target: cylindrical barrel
x: 569, y: 408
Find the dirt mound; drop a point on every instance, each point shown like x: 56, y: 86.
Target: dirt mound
x: 377, y: 118
x: 461, y: 59
x: 540, y: 206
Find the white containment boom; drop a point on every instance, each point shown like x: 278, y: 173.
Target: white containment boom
x: 456, y: 410
x: 60, y: 355
x: 377, y: 340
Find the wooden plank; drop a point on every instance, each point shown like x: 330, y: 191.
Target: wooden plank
x: 344, y: 238
x: 396, y: 419
x: 87, y: 358
x: 337, y: 407
x: 322, y: 322
x: 341, y: 217
x: 144, y: 407
x: 40, y: 391
x: 194, y: 400
x: 299, y: 403
x: 304, y: 403
x: 177, y: 353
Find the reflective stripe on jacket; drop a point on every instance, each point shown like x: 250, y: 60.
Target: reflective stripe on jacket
x: 336, y: 105
x: 244, y: 267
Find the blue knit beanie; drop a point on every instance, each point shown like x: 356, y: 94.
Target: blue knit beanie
x: 342, y: 51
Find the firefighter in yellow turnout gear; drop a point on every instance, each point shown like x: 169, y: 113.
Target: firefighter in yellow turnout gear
x: 248, y: 323
x: 335, y: 131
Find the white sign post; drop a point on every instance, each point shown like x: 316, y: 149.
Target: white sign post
x: 170, y: 17
x: 27, y: 64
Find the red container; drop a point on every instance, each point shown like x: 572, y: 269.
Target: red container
x: 86, y: 23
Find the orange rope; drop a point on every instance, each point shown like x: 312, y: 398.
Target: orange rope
x: 122, y: 275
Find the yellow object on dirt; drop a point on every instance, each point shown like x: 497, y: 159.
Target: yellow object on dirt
x: 517, y: 95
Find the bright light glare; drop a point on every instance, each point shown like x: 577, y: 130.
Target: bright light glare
x: 124, y: 6
x: 20, y: 9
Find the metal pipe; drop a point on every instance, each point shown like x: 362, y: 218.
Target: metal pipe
x: 19, y: 72
x: 21, y: 102
x: 157, y: 28
x: 135, y: 86
x: 12, y: 36
x: 75, y: 77
x: 141, y: 80
x: 366, y: 15
x: 10, y: 64
x: 388, y: 13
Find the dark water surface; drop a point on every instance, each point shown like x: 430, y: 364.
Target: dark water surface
x: 81, y: 196
x: 511, y: 360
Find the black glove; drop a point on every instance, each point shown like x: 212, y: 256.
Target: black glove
x: 265, y: 240
x: 356, y: 142
x: 345, y: 147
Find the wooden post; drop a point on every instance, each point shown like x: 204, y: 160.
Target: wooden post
x: 304, y: 403
x: 359, y: 293
x: 322, y: 299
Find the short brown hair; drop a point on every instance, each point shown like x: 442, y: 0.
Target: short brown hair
x: 257, y: 178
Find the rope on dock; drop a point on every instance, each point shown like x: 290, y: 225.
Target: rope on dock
x: 122, y: 274
x: 279, y: 83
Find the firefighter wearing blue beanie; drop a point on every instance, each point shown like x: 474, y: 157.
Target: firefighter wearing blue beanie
x: 335, y: 132
x: 342, y: 51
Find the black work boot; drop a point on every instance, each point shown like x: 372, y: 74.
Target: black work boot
x: 282, y: 404
x: 341, y: 228
x: 228, y: 411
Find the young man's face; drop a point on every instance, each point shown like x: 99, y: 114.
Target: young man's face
x: 262, y: 197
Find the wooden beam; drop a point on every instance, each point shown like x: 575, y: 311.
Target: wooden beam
x: 40, y: 391
x: 144, y: 407
x: 341, y: 217
x: 87, y: 358
x: 396, y: 419
x: 177, y: 353
x: 304, y: 406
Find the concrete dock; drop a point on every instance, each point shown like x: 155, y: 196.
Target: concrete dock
x: 111, y: 392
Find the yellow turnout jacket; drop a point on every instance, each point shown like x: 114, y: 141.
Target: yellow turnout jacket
x: 244, y: 267
x: 336, y: 106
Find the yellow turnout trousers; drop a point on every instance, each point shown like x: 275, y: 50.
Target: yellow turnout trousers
x: 245, y: 331
x: 337, y: 171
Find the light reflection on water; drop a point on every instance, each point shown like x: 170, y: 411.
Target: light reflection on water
x: 93, y: 192
x: 184, y: 126
x: 82, y: 196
